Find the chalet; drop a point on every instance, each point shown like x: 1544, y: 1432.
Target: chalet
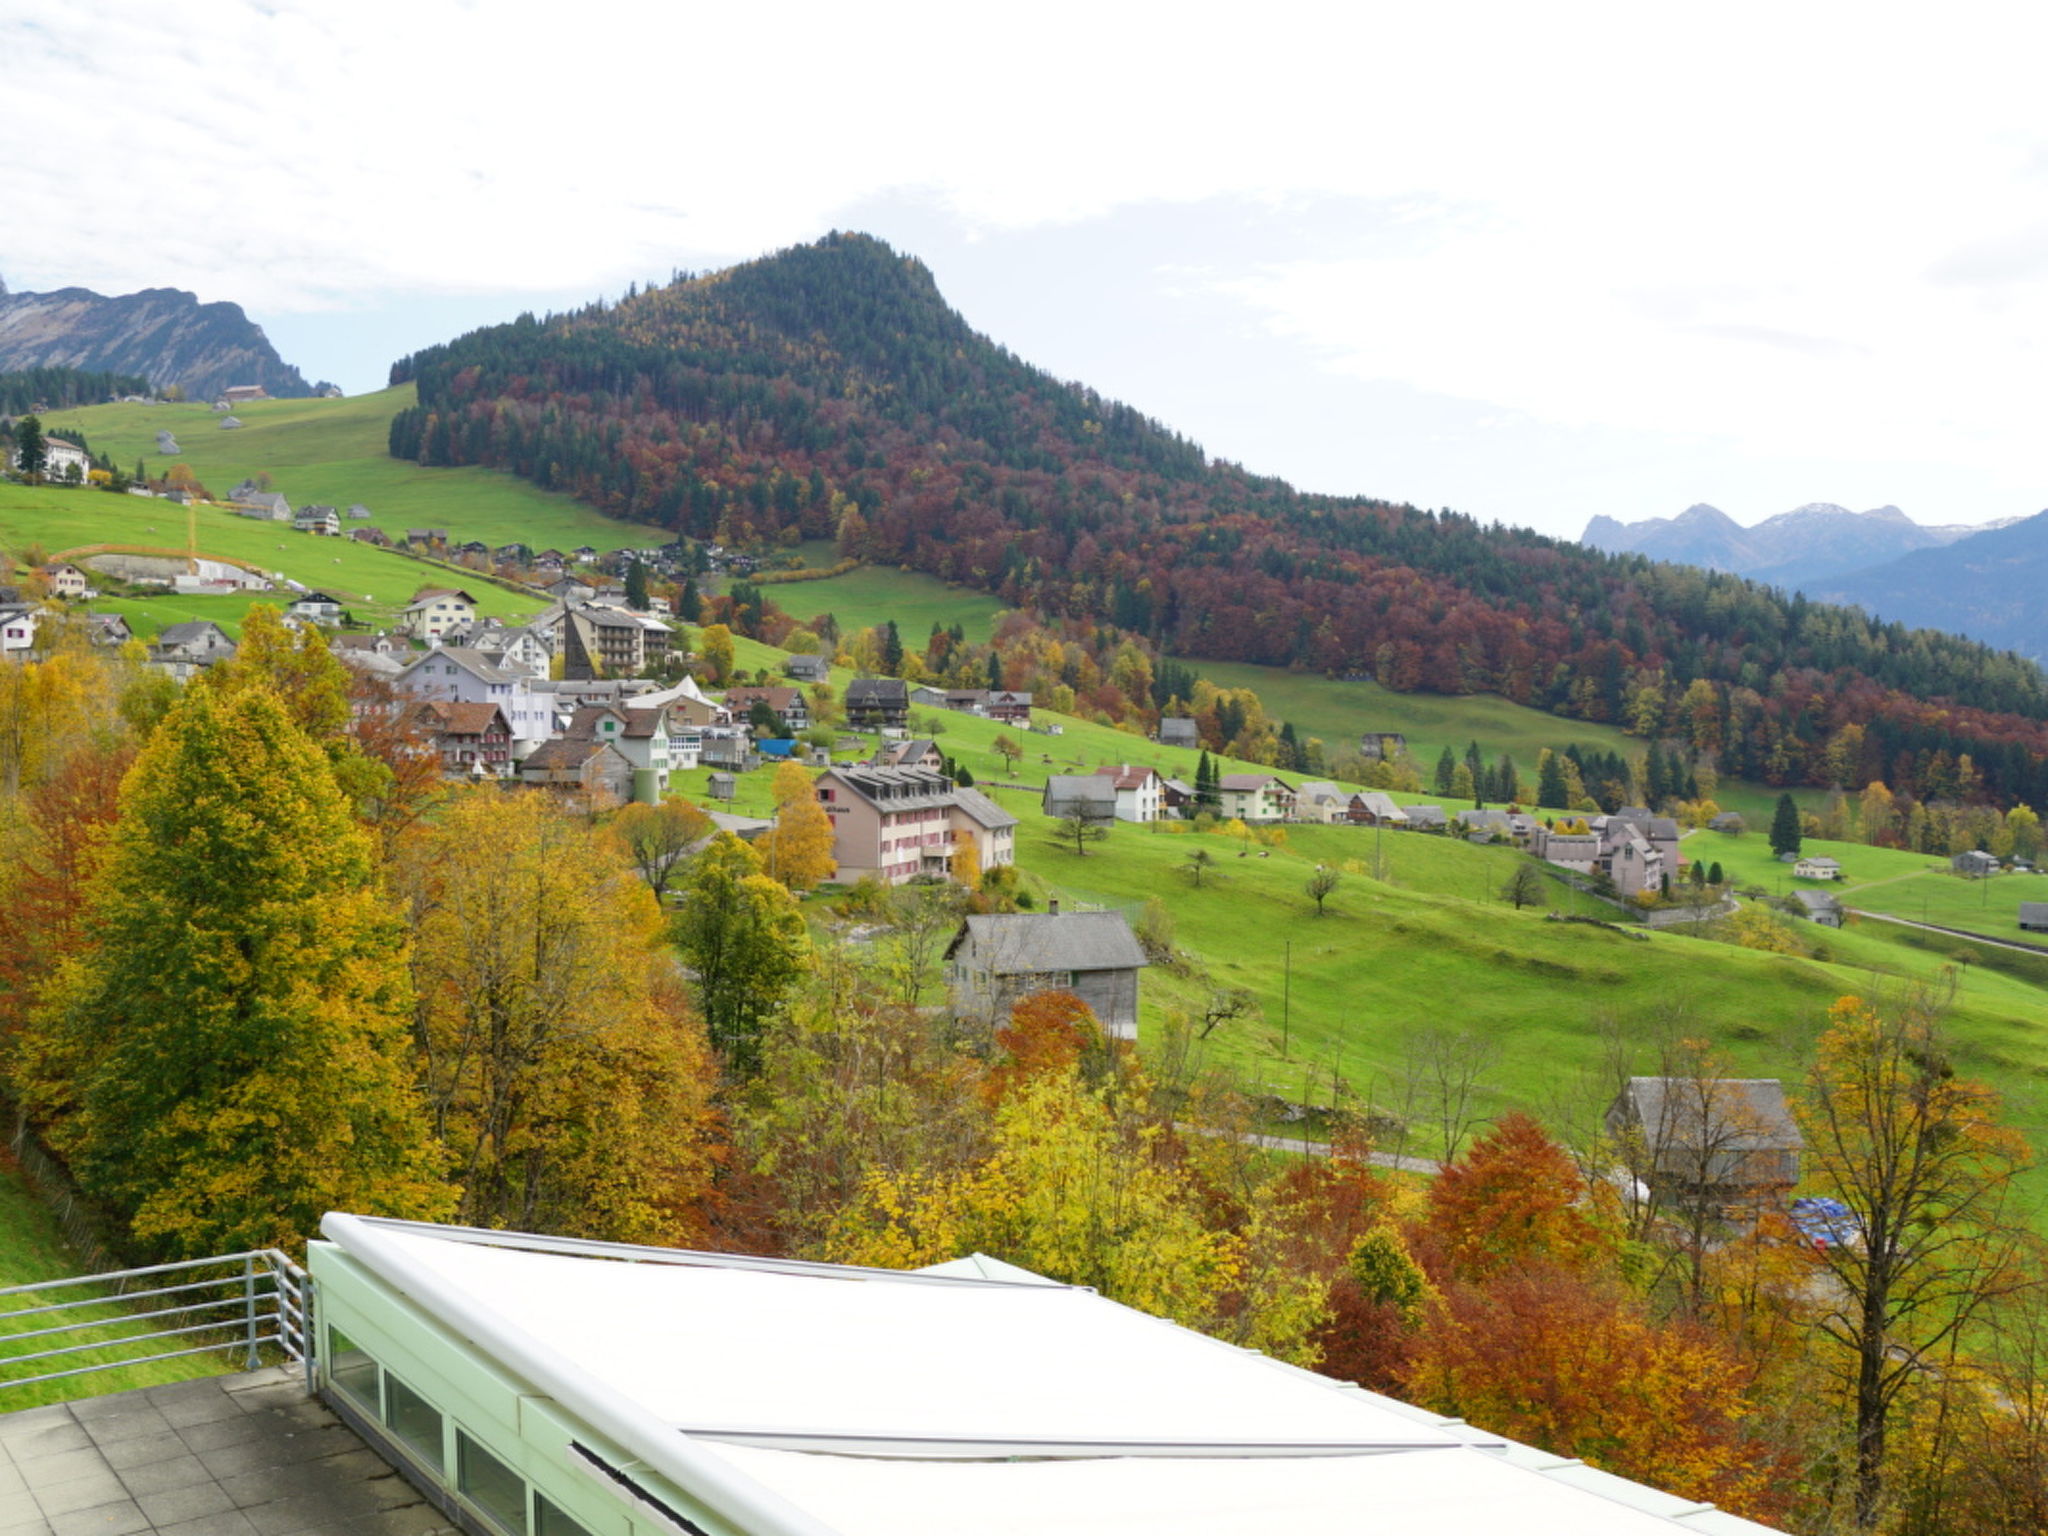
x: 1086, y: 795
x: 924, y: 696
x: 514, y: 553
x: 317, y: 608
x: 1376, y: 808
x: 264, y: 506
x: 1320, y: 800
x: 1819, y: 906
x: 1009, y: 706
x: 877, y: 704
x: 516, y: 650
x: 474, y: 740
x: 1255, y: 797
x: 1484, y: 825
x: 357, y: 512
x: 1725, y: 1141
x: 108, y: 629
x: 1661, y: 832
x: 915, y: 753
x: 377, y: 644
x: 428, y: 536
x: 242, y: 394
x: 1177, y: 797
x: 1382, y: 746
x: 324, y: 521
x: 1817, y: 868
x: 376, y: 536
x: 997, y: 959
x: 1178, y: 732
x: 1426, y: 818
x: 1139, y: 791
x: 456, y: 673
x: 185, y: 650
x: 1974, y: 864
x: 583, y: 554
x: 66, y: 580
x: 788, y: 705
x: 594, y: 772
x: 640, y: 736
x: 806, y: 669
x: 2034, y: 916
x: 18, y: 623
x: 436, y: 610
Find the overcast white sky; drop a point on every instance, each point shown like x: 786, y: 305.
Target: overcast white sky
x: 1532, y: 262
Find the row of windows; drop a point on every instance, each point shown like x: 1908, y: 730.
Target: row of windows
x: 485, y: 1482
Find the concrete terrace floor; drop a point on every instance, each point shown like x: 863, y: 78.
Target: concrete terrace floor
x: 247, y: 1455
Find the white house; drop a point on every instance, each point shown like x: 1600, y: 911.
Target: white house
x: 469, y: 677
x: 1139, y: 791
x: 1818, y: 868
x: 436, y: 610
x: 17, y: 628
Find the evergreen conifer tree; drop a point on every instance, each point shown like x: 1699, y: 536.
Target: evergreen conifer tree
x: 1785, y: 832
x: 636, y: 587
x: 1550, y: 785
x: 1446, y: 767
x: 31, y: 450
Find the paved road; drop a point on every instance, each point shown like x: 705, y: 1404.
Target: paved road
x: 1953, y: 933
x: 1304, y: 1148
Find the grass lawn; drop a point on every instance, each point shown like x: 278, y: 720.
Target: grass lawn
x: 335, y: 451
x: 31, y: 1249
x: 875, y: 594
x: 376, y: 583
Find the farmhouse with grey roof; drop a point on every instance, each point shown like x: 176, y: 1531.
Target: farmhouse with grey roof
x: 998, y: 958
x: 1725, y: 1140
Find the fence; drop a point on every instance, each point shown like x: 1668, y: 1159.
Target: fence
x: 241, y: 1303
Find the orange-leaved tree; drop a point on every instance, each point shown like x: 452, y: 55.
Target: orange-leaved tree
x: 1516, y: 1198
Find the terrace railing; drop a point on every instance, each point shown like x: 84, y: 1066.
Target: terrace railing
x: 253, y: 1307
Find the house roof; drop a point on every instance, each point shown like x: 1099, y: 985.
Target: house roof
x: 1027, y: 943
x: 1178, y: 729
x: 979, y: 808
x: 776, y: 698
x: 1820, y: 859
x: 1816, y: 901
x: 1426, y: 815
x: 1250, y: 782
x: 877, y: 690
x: 895, y: 789
x: 453, y: 718
x: 190, y: 632
x: 1734, y: 1114
x: 480, y: 666
x: 318, y: 597
x: 1126, y: 775
x: 2034, y: 911
x: 565, y: 753
x: 428, y: 595
x: 1065, y: 788
x: 897, y: 753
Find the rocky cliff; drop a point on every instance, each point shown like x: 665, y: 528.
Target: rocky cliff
x: 164, y: 334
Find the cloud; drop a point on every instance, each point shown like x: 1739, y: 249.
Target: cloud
x: 1802, y: 231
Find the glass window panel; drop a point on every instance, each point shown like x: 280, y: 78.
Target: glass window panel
x: 550, y: 1521
x: 414, y: 1420
x: 489, y: 1484
x: 352, y: 1370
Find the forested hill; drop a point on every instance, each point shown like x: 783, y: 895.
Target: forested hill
x: 829, y: 389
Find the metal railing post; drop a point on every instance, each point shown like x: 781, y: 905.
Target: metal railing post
x: 253, y: 1357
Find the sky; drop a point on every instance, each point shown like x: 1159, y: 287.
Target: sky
x: 1534, y: 263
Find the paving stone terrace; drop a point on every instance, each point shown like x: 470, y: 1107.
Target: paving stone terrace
x: 247, y: 1455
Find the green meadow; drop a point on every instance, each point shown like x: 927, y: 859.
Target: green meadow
x: 335, y: 451
x: 376, y: 583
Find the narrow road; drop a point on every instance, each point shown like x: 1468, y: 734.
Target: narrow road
x: 1315, y: 1148
x: 1954, y: 933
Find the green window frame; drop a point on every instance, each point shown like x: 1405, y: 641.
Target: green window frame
x: 418, y: 1425
x: 548, y: 1519
x: 355, y: 1371
x: 488, y: 1483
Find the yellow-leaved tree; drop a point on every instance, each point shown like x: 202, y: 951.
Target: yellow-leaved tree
x: 798, y: 850
x: 563, y: 1067
x: 226, y: 1057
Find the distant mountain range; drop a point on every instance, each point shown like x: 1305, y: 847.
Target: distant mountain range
x: 164, y: 334
x: 1987, y: 586
x: 1801, y: 550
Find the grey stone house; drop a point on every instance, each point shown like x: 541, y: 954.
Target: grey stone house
x: 998, y: 958
x: 1725, y: 1140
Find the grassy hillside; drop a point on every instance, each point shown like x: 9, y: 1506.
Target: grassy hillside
x: 336, y: 451
x: 375, y: 582
x: 32, y: 1249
